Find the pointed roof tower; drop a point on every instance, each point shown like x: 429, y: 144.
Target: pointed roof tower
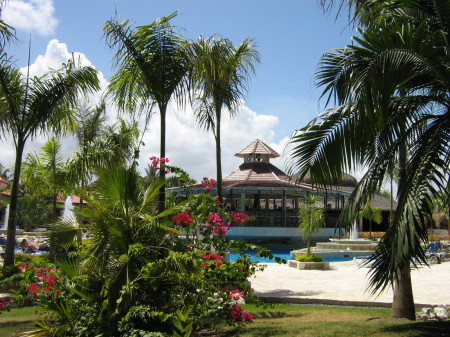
x: 257, y: 151
x: 257, y: 169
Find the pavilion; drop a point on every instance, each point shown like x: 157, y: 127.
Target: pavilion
x: 272, y: 199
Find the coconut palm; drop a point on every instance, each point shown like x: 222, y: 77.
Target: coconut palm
x: 394, y: 80
x: 152, y: 65
x: 219, y: 77
x: 29, y: 106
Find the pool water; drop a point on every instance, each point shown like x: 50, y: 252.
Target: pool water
x: 281, y: 253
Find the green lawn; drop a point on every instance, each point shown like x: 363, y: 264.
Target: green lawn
x: 288, y: 320
x: 291, y: 320
x: 17, y: 320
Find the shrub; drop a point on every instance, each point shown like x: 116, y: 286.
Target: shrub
x: 308, y: 258
x: 20, y: 259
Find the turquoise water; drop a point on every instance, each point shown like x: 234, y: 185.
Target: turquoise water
x: 282, y: 253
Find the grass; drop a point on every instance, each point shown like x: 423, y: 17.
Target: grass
x: 17, y: 320
x: 292, y: 320
x: 288, y: 321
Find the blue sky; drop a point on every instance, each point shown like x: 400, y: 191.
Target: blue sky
x: 291, y: 36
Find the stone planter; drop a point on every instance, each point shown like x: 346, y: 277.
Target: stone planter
x: 309, y: 265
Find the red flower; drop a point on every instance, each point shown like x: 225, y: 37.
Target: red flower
x: 238, y: 314
x: 182, y: 219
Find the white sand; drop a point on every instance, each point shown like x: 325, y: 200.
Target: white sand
x: 346, y: 282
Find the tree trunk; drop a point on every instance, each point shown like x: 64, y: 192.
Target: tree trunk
x: 218, y: 154
x: 162, y: 154
x: 403, y: 301
x: 12, y: 221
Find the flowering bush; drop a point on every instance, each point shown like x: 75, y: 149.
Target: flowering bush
x: 34, y: 283
x: 159, y: 163
x: 238, y: 314
x: 208, y: 183
x: 5, y: 304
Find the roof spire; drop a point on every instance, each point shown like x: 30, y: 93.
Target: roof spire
x: 257, y: 151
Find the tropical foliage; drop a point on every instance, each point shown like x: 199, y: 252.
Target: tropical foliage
x: 44, y: 174
x: 29, y: 106
x: 392, y: 79
x: 143, y: 273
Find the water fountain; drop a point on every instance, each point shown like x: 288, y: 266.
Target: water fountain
x: 68, y: 214
x: 5, y: 219
x: 343, y: 247
x: 354, y: 232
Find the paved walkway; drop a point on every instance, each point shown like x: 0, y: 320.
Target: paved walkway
x: 345, y: 283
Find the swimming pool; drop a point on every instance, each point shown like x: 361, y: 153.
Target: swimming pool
x: 282, y: 253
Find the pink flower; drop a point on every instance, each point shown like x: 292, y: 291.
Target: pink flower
x: 156, y: 161
x: 208, y: 183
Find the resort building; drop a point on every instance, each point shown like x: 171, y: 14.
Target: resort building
x: 272, y: 199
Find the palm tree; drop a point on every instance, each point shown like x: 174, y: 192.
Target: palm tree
x: 395, y: 81
x: 45, y: 173
x: 32, y: 105
x: 372, y: 214
x: 6, y: 31
x: 152, y: 65
x: 219, y: 77
x: 310, y: 218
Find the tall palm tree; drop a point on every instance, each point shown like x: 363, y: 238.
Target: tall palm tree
x: 152, y: 66
x: 392, y: 96
x: 30, y: 106
x: 219, y: 77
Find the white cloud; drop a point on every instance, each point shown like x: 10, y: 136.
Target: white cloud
x: 32, y: 15
x: 187, y: 145
x: 193, y: 149
x: 56, y: 54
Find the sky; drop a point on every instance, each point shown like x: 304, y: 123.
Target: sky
x: 291, y: 36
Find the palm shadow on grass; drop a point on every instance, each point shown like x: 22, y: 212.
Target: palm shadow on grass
x: 423, y: 329
x: 276, y: 314
x: 256, y: 331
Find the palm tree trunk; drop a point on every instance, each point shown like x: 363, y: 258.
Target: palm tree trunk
x: 218, y: 154
x: 403, y: 301
x: 162, y: 154
x: 12, y: 221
